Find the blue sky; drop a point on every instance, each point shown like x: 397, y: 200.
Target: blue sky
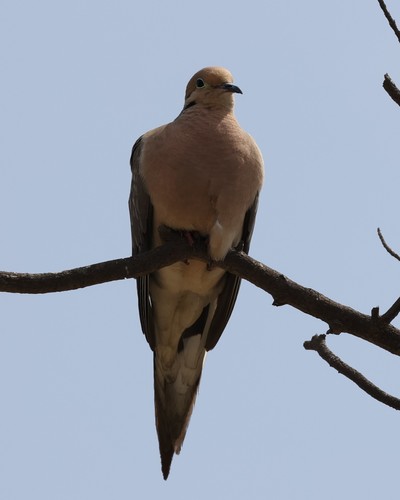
x: 80, y: 82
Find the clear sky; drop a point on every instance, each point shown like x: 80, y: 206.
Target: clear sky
x: 80, y: 81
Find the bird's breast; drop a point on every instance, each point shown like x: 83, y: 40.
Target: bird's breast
x: 189, y: 166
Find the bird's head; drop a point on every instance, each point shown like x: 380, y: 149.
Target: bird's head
x: 211, y: 87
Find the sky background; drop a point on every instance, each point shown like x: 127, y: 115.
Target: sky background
x: 80, y: 82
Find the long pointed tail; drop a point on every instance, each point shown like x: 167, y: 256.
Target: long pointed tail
x: 175, y: 392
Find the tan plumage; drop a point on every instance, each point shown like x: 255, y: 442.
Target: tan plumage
x: 200, y: 174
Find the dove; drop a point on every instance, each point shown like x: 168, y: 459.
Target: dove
x: 199, y: 176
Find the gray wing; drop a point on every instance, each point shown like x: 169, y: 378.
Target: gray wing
x: 228, y: 296
x: 141, y: 213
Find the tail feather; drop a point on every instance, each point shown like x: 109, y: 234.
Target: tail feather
x: 174, y: 400
x: 165, y: 441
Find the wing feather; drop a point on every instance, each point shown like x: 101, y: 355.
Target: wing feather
x: 141, y: 214
x: 229, y: 293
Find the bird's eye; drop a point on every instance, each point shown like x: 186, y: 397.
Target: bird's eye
x: 199, y: 83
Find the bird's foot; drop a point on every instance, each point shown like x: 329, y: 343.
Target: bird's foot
x: 192, y: 238
x: 240, y: 246
x: 188, y: 237
x: 168, y: 234
x: 211, y: 264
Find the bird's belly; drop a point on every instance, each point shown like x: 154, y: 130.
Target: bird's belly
x: 179, y: 294
x: 193, y: 277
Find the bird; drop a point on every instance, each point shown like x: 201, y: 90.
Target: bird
x: 199, y: 176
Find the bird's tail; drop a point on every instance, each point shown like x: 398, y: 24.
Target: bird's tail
x: 175, y: 391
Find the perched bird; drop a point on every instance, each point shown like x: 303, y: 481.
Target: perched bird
x: 199, y: 175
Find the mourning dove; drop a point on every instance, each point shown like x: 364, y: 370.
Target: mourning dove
x: 199, y: 175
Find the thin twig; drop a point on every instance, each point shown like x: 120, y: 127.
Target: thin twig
x: 318, y: 344
x: 386, y: 246
x: 391, y: 89
x: 390, y: 19
x: 392, y: 312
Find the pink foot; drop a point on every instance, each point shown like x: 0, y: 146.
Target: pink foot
x: 189, y: 237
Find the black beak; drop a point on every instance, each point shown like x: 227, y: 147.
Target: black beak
x: 229, y: 87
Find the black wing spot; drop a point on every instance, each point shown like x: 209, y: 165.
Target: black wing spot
x: 197, y: 328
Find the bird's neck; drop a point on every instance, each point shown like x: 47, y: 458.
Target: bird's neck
x: 211, y: 111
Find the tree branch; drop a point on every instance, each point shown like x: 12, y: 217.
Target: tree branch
x: 388, y: 84
x: 391, y: 21
x: 391, y: 89
x: 340, y: 318
x: 103, y: 272
x: 386, y: 246
x: 392, y: 312
x: 318, y: 344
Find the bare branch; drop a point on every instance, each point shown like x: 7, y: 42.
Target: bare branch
x: 388, y: 84
x: 390, y: 19
x: 391, y: 89
x: 103, y: 272
x: 340, y: 318
x: 392, y: 312
x: 386, y: 246
x: 318, y: 344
